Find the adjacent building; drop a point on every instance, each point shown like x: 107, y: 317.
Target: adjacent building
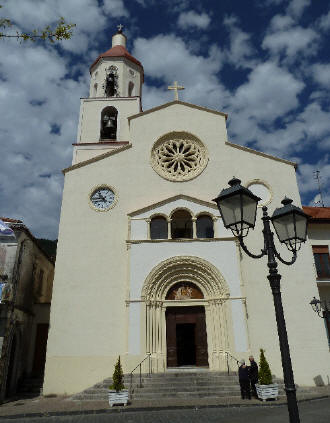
x: 26, y: 273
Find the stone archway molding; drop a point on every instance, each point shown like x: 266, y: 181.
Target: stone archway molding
x: 184, y: 269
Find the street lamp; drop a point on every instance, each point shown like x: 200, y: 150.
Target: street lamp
x: 320, y: 307
x: 238, y: 209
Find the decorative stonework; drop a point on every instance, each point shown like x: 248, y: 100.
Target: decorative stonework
x: 178, y: 270
x: 184, y: 291
x: 179, y: 156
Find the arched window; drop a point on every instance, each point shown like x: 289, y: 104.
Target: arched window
x: 110, y: 90
x: 109, y: 123
x: 204, y: 227
x: 130, y: 89
x: 181, y: 225
x: 95, y: 90
x: 158, y: 228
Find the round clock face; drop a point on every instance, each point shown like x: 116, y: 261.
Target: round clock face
x: 102, y: 198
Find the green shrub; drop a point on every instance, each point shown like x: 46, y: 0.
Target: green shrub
x: 265, y: 375
x: 117, y: 377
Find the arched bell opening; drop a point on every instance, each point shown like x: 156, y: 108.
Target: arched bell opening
x: 109, y: 123
x: 131, y: 92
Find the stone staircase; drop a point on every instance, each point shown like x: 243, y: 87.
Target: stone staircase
x: 172, y: 385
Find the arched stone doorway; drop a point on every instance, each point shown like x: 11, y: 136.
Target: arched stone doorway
x: 185, y: 299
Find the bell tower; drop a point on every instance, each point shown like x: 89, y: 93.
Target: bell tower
x: 114, y: 95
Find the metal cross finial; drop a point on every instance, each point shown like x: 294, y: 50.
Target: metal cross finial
x: 175, y: 87
x: 120, y: 27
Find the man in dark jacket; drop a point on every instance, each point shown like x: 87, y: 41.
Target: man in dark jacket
x: 253, y: 375
x: 244, y: 381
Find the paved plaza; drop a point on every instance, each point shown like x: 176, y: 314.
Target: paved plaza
x: 61, y: 409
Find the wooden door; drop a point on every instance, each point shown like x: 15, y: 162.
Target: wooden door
x: 40, y: 349
x: 185, y: 327
x: 201, y: 339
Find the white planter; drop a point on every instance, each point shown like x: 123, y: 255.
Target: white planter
x: 120, y: 397
x: 267, y: 391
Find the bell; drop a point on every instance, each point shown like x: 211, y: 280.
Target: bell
x: 110, y: 123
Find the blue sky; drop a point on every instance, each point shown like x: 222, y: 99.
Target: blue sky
x: 265, y: 62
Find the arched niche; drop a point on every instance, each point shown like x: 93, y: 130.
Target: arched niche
x: 131, y: 89
x: 184, y: 291
x: 204, y: 226
x: 181, y: 224
x: 158, y: 227
x: 109, y: 123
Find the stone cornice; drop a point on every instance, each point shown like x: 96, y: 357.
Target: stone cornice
x: 97, y: 158
x: 259, y: 153
x: 163, y: 106
x: 155, y: 241
x: 171, y: 199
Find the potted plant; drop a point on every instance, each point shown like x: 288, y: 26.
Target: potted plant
x: 117, y: 392
x: 266, y: 389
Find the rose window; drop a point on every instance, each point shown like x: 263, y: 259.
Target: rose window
x: 179, y: 157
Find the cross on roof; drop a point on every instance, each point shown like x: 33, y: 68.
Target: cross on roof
x: 175, y: 87
x: 120, y: 27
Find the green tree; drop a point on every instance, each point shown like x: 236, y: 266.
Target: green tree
x: 265, y: 375
x: 62, y: 31
x: 117, y: 377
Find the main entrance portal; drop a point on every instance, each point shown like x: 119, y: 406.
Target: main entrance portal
x: 186, y: 336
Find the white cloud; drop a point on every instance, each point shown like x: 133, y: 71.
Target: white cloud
x: 297, y: 7
x: 269, y: 93
x: 241, y: 52
x: 33, y: 91
x: 192, y: 19
x: 115, y: 8
x: 291, y: 42
x: 89, y: 17
x: 324, y: 22
x: 321, y: 74
x: 167, y: 58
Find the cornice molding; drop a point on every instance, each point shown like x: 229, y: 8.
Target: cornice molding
x: 259, y: 153
x: 97, y: 158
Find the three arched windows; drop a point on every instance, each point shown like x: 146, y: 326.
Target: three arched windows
x: 181, y: 225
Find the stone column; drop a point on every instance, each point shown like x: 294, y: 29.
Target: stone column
x: 194, y: 227
x: 215, y: 227
x: 148, y: 228
x: 169, y: 228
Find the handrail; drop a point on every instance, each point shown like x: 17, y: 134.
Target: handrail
x: 148, y: 356
x: 233, y: 358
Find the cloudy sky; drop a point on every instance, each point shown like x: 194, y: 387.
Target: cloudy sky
x: 265, y: 62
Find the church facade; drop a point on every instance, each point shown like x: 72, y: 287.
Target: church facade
x: 144, y: 263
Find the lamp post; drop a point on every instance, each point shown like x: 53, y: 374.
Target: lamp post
x: 238, y: 209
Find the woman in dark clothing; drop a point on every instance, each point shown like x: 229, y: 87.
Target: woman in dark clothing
x: 244, y: 380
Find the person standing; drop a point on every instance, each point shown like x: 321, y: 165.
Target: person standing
x: 244, y: 381
x: 253, y: 375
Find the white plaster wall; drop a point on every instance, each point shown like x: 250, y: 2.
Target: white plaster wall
x: 139, y: 229
x: 222, y: 254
